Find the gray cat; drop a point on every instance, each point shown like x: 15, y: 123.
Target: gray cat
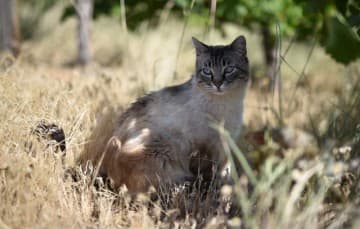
x: 165, y: 137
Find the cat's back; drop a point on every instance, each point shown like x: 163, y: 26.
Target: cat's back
x: 174, y: 95
x: 183, y: 108
x: 155, y: 107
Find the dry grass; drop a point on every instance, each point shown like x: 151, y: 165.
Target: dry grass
x: 288, y: 192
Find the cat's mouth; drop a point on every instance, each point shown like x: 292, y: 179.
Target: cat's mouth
x: 218, y: 90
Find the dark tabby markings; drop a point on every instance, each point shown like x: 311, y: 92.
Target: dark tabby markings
x: 213, y: 60
x: 50, y: 132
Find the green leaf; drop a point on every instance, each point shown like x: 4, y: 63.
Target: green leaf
x: 182, y: 3
x: 354, y: 10
x: 341, y: 41
x: 341, y: 5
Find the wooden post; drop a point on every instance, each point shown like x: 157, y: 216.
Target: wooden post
x: 84, y: 10
x: 269, y: 53
x: 9, y: 27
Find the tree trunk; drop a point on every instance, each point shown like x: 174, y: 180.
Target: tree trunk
x: 84, y: 10
x: 268, y: 42
x: 9, y: 27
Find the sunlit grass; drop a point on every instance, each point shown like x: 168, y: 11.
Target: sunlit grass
x: 288, y: 189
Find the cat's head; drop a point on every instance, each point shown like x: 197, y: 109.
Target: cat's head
x: 221, y: 69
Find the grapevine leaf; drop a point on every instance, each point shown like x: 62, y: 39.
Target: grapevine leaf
x: 341, y: 41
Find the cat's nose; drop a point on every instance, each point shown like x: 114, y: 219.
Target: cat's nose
x: 217, y: 83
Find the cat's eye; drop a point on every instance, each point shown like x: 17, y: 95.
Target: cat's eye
x: 229, y: 70
x: 206, y: 71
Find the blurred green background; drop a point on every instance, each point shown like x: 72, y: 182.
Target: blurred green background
x: 332, y: 23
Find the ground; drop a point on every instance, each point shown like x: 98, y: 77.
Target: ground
x: 292, y: 187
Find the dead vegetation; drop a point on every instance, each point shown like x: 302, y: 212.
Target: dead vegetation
x: 293, y: 183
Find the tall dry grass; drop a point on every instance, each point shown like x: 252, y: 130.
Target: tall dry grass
x: 296, y: 189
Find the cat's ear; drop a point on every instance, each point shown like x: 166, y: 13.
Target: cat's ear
x: 199, y: 46
x: 239, y: 44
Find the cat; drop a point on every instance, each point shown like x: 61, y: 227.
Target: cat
x: 166, y: 136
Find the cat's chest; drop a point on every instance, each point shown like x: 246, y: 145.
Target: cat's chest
x: 228, y: 114
x: 202, y: 116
